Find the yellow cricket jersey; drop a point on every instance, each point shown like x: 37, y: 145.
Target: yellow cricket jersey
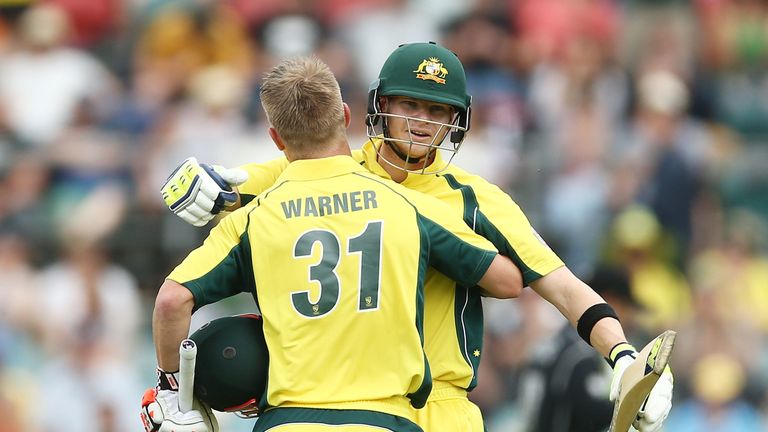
x: 337, y: 258
x: 453, y: 320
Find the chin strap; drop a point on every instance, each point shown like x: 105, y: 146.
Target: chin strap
x: 404, y: 157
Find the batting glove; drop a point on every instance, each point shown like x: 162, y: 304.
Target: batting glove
x: 160, y: 409
x: 160, y: 413
x: 197, y: 192
x: 656, y: 407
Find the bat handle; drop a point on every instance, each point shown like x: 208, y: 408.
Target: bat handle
x: 187, y: 356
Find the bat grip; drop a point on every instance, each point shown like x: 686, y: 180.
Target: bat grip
x: 187, y: 357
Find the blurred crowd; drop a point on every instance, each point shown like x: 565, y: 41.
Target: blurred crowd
x: 633, y: 133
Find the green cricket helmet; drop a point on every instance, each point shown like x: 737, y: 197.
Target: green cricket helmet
x: 231, y: 365
x: 426, y: 71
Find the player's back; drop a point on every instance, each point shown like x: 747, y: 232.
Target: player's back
x: 339, y: 271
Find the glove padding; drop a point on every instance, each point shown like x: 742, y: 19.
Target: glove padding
x: 656, y: 407
x: 160, y: 413
x: 197, y: 192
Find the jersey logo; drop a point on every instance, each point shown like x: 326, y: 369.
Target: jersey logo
x: 432, y: 69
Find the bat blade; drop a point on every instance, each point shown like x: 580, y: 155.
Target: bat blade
x: 187, y: 358
x: 639, y: 379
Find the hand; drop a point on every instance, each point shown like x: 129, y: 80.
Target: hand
x: 160, y: 413
x: 197, y: 192
x: 656, y: 407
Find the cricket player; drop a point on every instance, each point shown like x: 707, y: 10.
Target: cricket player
x: 418, y: 106
x: 336, y: 258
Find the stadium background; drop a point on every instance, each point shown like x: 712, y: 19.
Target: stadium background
x: 632, y: 133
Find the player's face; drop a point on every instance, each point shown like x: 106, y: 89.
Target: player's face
x: 418, y: 121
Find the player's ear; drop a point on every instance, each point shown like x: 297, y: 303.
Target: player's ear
x: 277, y: 139
x: 347, y: 115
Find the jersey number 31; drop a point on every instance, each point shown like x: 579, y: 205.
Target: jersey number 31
x: 367, y: 245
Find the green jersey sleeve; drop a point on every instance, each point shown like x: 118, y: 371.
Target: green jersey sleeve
x: 222, y: 266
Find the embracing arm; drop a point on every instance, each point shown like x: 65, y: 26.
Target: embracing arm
x: 572, y: 298
x: 502, y: 279
x: 197, y: 192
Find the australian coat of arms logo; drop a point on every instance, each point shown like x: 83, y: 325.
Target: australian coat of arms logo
x: 432, y: 69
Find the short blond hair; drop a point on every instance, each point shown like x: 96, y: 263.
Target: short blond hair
x: 302, y: 100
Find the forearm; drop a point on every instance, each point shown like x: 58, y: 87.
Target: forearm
x: 606, y: 334
x: 170, y: 322
x: 572, y: 298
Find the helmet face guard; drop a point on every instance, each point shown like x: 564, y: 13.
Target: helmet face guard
x: 376, y: 127
x: 424, y: 71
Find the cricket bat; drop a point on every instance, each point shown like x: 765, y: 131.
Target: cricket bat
x: 639, y: 378
x: 187, y: 357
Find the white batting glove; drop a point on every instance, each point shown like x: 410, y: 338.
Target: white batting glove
x: 656, y: 407
x: 197, y: 192
x: 160, y: 413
